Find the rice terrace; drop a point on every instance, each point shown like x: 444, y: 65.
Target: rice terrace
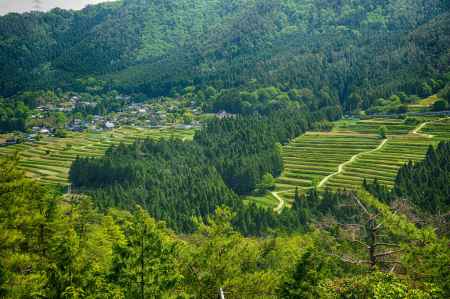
x: 340, y: 159
x: 49, y: 159
x: 351, y: 152
x: 232, y: 149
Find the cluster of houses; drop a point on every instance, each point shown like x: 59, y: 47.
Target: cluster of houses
x: 155, y: 114
x: 96, y: 122
x: 64, y: 105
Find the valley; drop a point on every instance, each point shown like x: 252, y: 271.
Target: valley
x: 225, y: 149
x: 340, y: 159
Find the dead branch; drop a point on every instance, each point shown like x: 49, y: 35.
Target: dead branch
x: 387, y: 253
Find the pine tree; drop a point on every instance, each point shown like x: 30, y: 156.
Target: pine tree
x: 145, y: 266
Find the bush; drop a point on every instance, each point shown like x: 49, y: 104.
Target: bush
x: 411, y: 121
x: 402, y: 109
x: 445, y: 94
x: 440, y: 105
x: 323, y: 126
x: 60, y: 133
x: 267, y: 184
x: 382, y: 131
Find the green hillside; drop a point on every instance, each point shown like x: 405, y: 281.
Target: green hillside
x: 352, y: 152
x: 350, y: 51
x: 49, y: 160
x: 226, y: 149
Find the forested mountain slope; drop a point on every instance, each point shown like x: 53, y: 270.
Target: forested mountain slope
x: 351, y: 51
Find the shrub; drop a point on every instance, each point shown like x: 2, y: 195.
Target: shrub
x: 60, y: 133
x: 382, y: 131
x: 411, y: 121
x: 440, y: 105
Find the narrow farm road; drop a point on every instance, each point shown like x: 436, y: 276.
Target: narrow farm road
x: 281, y: 201
x: 420, y: 127
x: 352, y: 159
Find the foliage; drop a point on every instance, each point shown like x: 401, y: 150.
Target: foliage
x: 267, y: 184
x: 144, y: 266
x: 440, y: 105
x: 382, y: 132
x: 54, y: 247
x: 379, y: 285
x: 344, y: 51
x: 309, y: 272
x: 13, y: 115
x: 426, y: 183
x: 170, y: 178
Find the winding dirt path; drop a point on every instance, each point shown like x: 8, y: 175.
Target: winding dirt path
x: 281, y: 201
x: 352, y: 159
x: 420, y: 127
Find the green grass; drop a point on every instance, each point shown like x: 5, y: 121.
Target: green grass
x: 314, y: 156
x: 428, y: 102
x: 49, y: 159
x: 266, y: 201
x: 371, y: 126
x: 383, y: 164
x: 439, y: 129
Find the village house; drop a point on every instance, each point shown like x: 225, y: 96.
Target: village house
x: 223, y: 114
x: 109, y: 125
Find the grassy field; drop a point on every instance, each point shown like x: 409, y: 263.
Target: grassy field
x: 313, y: 156
x: 267, y: 201
x: 371, y: 126
x: 49, y: 159
x: 440, y: 129
x: 428, y: 102
x: 352, y: 152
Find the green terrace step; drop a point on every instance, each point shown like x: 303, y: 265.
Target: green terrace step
x: 50, y: 158
x: 283, y: 187
x: 299, y: 169
x: 293, y: 182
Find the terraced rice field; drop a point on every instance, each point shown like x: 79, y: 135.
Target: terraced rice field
x: 439, y: 129
x: 268, y: 201
x: 371, y: 126
x: 353, y: 152
x: 382, y: 164
x: 49, y: 160
x: 313, y: 156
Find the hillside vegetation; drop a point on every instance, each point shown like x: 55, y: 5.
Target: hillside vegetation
x: 237, y: 148
x: 354, y: 152
x: 352, y: 52
x: 49, y: 159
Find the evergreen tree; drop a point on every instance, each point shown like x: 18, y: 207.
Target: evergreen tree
x: 145, y: 267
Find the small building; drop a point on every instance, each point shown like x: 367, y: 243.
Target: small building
x: 109, y: 125
x: 44, y: 131
x: 183, y: 127
x: 223, y: 114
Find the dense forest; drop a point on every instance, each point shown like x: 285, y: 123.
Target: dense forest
x: 424, y: 185
x: 353, y: 246
x: 177, y: 217
x: 353, y: 52
x: 414, y: 182
x: 176, y: 180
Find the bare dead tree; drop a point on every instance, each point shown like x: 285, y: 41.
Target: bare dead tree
x: 378, y: 251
